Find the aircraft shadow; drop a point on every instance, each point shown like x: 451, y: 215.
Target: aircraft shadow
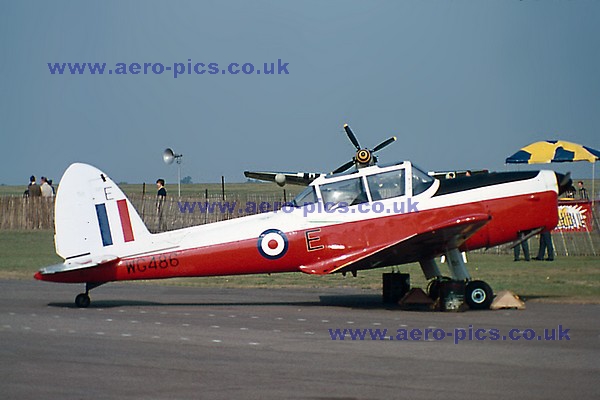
x: 366, y: 301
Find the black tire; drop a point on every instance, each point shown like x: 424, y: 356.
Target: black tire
x: 479, y: 295
x: 433, y: 288
x: 82, y: 300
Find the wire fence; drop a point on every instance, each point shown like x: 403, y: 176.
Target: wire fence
x: 20, y: 213
x: 26, y: 213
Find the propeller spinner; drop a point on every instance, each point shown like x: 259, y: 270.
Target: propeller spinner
x: 364, y: 157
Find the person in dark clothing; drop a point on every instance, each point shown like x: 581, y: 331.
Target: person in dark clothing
x: 162, y: 192
x: 583, y: 194
x: 517, y: 250
x: 33, y: 190
x: 161, y: 196
x: 545, y: 243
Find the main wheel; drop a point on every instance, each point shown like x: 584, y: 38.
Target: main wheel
x: 82, y: 300
x: 433, y: 288
x: 478, y: 295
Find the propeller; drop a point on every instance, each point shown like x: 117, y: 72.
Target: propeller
x: 363, y: 157
x: 564, y: 182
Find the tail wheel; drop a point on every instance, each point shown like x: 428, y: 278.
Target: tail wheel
x: 82, y: 300
x: 479, y: 295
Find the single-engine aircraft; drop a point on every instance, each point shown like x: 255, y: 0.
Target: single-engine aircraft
x: 371, y: 216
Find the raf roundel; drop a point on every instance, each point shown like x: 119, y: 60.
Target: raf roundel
x: 272, y: 244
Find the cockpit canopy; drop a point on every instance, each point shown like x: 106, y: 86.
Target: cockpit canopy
x: 369, y: 184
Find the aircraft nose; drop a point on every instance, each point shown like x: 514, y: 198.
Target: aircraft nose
x: 564, y: 182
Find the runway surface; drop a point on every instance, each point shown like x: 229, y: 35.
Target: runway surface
x: 163, y: 342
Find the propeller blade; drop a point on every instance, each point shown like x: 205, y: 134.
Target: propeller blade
x: 344, y: 167
x: 564, y: 182
x: 566, y: 179
x: 384, y: 144
x: 351, y: 136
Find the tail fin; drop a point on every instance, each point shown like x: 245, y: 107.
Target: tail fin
x: 93, y: 218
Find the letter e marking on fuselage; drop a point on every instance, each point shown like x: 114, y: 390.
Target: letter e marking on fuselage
x: 312, y: 237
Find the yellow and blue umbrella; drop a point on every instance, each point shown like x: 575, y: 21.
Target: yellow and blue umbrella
x: 553, y: 151
x: 556, y: 151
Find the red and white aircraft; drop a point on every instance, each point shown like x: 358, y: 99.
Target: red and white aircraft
x: 371, y: 217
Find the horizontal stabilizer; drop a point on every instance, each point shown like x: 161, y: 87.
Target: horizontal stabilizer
x: 82, y: 263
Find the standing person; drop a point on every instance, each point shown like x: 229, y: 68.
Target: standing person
x: 46, y: 188
x: 545, y: 243
x: 583, y: 194
x: 53, y: 190
x: 517, y: 249
x: 33, y: 189
x: 161, y: 196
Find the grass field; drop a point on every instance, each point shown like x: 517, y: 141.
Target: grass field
x: 567, y: 279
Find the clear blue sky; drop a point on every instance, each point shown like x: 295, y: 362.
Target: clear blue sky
x: 463, y: 84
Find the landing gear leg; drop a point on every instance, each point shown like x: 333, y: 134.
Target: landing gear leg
x: 434, y: 276
x: 83, y: 299
x: 457, y: 266
x: 430, y: 269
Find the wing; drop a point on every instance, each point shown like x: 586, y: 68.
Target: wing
x: 431, y: 242
x: 292, y: 178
